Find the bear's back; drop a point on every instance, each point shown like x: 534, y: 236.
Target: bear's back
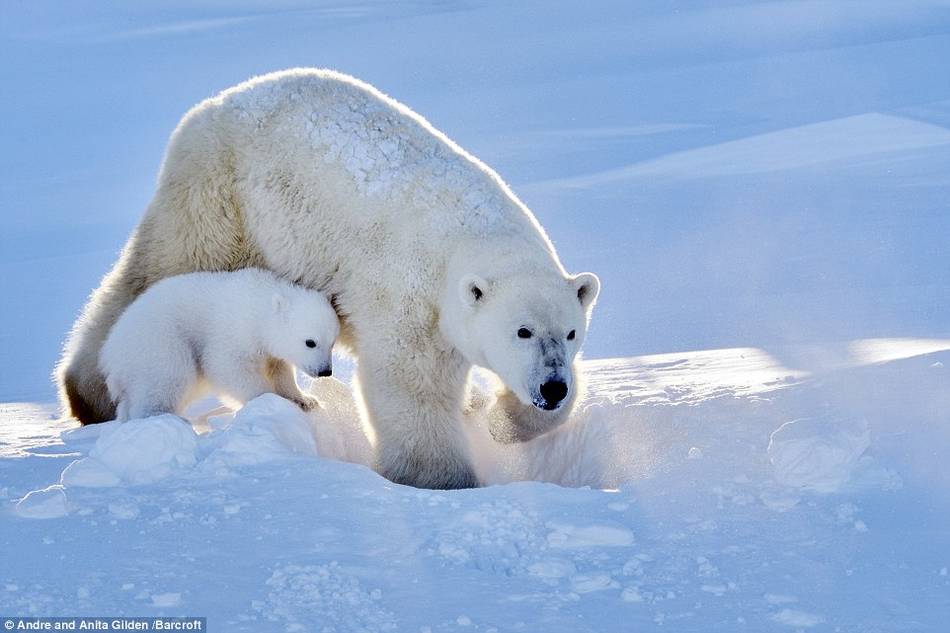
x: 384, y: 149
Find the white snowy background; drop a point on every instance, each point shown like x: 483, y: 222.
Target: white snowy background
x: 764, y: 189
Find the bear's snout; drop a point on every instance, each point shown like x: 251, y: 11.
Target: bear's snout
x: 553, y: 392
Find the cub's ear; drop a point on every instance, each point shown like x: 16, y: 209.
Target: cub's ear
x: 279, y: 303
x: 472, y: 290
x: 587, y: 286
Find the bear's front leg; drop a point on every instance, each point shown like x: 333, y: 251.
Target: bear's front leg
x: 414, y: 406
x: 281, y: 375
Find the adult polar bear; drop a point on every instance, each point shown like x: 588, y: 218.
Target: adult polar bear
x: 432, y: 262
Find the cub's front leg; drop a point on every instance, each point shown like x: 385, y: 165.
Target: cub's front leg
x: 239, y: 378
x: 281, y: 376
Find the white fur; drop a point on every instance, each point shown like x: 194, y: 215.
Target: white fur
x: 325, y: 180
x: 238, y: 333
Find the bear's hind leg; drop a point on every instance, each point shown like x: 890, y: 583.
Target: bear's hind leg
x: 82, y: 386
x: 193, y: 223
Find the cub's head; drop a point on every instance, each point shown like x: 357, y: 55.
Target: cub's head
x: 526, y: 328
x: 303, y: 330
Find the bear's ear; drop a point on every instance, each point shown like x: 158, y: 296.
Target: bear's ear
x: 472, y: 289
x: 587, y: 286
x: 279, y: 303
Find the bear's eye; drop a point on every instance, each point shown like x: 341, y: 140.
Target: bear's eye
x: 571, y: 335
x: 524, y: 333
x: 311, y: 343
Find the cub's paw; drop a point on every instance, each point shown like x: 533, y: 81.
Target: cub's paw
x: 307, y: 403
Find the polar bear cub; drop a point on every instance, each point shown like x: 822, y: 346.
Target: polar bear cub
x: 238, y: 333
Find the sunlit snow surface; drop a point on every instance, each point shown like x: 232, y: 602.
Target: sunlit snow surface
x: 766, y: 181
x: 713, y: 490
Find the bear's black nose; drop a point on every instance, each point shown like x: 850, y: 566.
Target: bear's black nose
x: 553, y: 391
x: 323, y: 373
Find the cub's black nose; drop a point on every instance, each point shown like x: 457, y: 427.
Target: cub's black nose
x: 553, y: 391
x: 323, y: 373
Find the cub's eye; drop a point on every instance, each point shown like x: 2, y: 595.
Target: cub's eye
x: 571, y: 335
x: 524, y: 333
x: 311, y: 343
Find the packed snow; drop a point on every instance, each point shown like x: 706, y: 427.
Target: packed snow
x: 762, y: 187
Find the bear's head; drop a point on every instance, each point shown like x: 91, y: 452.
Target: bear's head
x: 302, y: 330
x: 527, y: 327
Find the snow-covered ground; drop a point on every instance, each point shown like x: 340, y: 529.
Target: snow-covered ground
x: 768, y: 182
x: 706, y: 491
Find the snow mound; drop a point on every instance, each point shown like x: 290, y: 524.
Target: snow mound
x: 136, y: 452
x: 264, y: 429
x: 836, y: 140
x: 48, y: 503
x: 817, y: 454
